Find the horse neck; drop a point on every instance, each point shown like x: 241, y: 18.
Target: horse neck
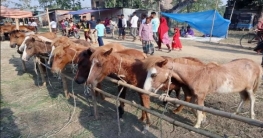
x: 184, y: 72
x: 125, y: 67
x: 43, y: 47
x: 76, y: 51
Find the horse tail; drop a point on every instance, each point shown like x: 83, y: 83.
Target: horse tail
x: 258, y: 80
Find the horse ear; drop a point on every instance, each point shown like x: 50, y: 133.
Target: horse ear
x: 162, y: 63
x: 107, y: 52
x: 89, y: 51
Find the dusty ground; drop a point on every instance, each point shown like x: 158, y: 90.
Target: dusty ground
x: 31, y: 111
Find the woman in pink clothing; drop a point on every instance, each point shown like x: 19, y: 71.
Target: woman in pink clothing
x: 163, y: 34
x: 146, y: 36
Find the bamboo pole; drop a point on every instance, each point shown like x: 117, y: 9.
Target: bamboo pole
x: 213, y: 22
x: 194, y: 106
x: 48, y: 21
x: 164, y: 117
x: 230, y: 18
x: 17, y: 23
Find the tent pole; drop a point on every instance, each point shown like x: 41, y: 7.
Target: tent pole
x: 230, y: 18
x: 213, y: 22
x: 48, y: 21
x: 17, y: 23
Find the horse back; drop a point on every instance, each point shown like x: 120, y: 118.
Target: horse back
x: 132, y: 53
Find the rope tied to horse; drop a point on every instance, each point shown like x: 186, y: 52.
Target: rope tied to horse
x: 74, y: 67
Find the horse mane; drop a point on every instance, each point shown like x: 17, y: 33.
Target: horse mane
x: 62, y: 41
x: 17, y: 31
x: 150, y: 62
x: 58, y: 51
x: 44, y: 38
x: 188, y: 60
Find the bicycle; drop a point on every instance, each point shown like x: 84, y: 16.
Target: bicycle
x: 251, y: 39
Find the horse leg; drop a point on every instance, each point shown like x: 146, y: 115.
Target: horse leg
x: 122, y: 95
x: 252, y: 103
x: 101, y: 95
x: 243, y: 96
x: 187, y: 98
x: 200, y: 115
x: 23, y: 63
x: 145, y: 101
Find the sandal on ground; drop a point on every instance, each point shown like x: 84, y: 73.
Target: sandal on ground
x: 159, y: 50
x: 169, y: 51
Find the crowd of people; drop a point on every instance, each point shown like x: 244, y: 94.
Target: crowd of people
x: 150, y: 30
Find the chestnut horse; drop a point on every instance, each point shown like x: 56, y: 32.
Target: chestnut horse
x: 9, y: 28
x: 125, y: 64
x: 240, y: 75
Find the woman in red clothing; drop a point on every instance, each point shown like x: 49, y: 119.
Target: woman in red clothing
x: 176, y: 44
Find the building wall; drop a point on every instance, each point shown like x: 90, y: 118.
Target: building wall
x: 97, y: 4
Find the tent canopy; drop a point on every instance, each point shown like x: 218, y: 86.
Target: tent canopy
x: 202, y: 21
x: 14, y: 13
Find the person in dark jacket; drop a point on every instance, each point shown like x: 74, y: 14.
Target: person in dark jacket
x: 85, y: 26
x: 119, y: 25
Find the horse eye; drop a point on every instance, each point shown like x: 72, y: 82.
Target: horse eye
x: 153, y: 75
x: 99, y: 65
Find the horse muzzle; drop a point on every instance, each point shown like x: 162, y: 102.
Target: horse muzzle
x: 79, y: 80
x: 13, y: 45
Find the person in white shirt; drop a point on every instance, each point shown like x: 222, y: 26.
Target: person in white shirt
x: 124, y: 25
x: 113, y: 26
x: 33, y: 23
x: 53, y: 25
x: 134, y: 25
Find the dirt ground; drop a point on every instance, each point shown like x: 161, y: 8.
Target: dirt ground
x: 29, y: 110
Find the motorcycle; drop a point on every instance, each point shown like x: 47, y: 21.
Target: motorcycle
x: 74, y: 31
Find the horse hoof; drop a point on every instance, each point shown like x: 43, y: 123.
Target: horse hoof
x: 176, y: 111
x: 197, y: 126
x: 145, y: 129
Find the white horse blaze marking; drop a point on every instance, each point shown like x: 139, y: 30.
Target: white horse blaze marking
x: 92, y: 65
x: 51, y: 54
x: 21, y: 48
x: 148, y: 81
x: 226, y: 87
x: 24, y: 56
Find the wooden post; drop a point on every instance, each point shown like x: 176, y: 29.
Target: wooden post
x: 213, y: 22
x: 94, y: 101
x: 65, y: 86
x: 42, y: 74
x: 17, y: 23
x: 48, y: 21
x: 230, y: 18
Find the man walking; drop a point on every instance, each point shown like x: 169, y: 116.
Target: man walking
x: 155, y: 25
x: 134, y: 25
x: 53, y: 25
x: 92, y: 25
x: 100, y: 29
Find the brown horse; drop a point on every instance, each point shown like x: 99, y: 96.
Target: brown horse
x: 125, y: 64
x: 84, y: 63
x: 61, y: 41
x: 17, y: 37
x: 176, y: 85
x: 241, y: 76
x: 9, y: 28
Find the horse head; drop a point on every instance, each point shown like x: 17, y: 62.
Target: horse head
x: 100, y: 63
x: 83, y: 66
x: 16, y: 38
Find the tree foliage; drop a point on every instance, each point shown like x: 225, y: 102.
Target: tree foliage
x: 247, y: 3
x: 61, y: 4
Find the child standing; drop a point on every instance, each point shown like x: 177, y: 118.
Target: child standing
x: 100, y: 29
x: 176, y: 44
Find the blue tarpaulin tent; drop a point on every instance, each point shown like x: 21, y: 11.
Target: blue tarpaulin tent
x: 202, y: 21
